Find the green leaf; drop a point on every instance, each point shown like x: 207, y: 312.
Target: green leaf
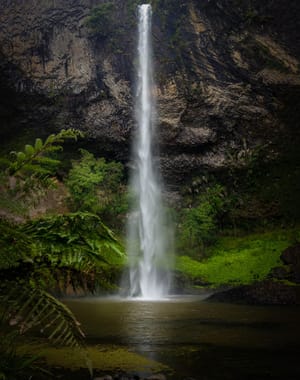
x: 29, y: 150
x: 21, y: 156
x: 38, y: 144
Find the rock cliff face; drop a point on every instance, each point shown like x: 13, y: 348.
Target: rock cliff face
x: 224, y: 72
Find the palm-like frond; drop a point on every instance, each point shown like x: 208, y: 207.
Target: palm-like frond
x: 28, y: 308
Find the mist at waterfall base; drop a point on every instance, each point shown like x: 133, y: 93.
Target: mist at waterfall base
x: 148, y: 233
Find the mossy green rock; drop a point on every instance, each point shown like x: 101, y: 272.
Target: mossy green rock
x: 99, y: 357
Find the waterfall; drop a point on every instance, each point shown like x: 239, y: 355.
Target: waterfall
x: 147, y: 245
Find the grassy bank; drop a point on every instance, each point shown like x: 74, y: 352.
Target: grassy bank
x: 239, y: 260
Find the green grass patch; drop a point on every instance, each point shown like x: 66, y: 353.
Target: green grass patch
x: 101, y: 357
x: 240, y: 260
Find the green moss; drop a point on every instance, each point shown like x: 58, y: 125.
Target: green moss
x: 104, y: 358
x: 240, y: 260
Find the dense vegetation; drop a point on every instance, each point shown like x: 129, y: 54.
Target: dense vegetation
x: 239, y: 260
x: 51, y: 254
x: 226, y: 235
x: 232, y: 229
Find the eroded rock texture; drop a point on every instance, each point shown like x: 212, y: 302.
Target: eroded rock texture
x: 224, y: 72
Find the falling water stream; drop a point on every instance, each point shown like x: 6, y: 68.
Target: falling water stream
x: 147, y: 246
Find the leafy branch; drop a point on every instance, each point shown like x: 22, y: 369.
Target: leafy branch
x: 34, y: 159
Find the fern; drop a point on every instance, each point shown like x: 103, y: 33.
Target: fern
x: 15, y: 245
x: 28, y: 307
x: 63, y: 235
x: 59, y: 251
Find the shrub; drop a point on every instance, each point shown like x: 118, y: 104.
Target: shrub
x: 199, y: 223
x: 95, y: 186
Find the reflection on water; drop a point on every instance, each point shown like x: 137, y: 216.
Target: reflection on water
x: 216, y: 341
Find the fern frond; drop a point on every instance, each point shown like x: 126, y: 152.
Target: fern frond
x: 15, y: 246
x: 75, y: 232
x: 36, y: 169
x: 42, y: 160
x: 28, y: 308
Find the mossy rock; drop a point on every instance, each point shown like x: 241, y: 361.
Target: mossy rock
x: 108, y: 358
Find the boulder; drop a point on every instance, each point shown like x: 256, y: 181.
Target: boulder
x: 266, y: 292
x: 291, y: 257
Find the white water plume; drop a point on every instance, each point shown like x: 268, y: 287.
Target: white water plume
x: 147, y: 240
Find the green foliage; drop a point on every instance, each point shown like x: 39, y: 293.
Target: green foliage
x: 35, y: 159
x: 28, y: 307
x: 67, y: 239
x: 27, y: 174
x: 61, y: 250
x: 24, y: 308
x: 73, y: 245
x: 100, y: 20
x: 242, y: 260
x: 95, y: 186
x: 199, y: 223
x: 50, y: 253
x: 16, y: 246
x: 14, y: 365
